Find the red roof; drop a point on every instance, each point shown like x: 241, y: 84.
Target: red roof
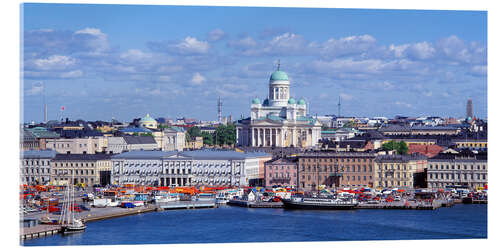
x: 427, y: 150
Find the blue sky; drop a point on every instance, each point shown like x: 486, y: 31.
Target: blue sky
x: 123, y: 61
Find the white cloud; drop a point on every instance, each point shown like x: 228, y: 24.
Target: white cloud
x: 135, y: 55
x: 192, y: 45
x: 344, y: 46
x: 99, y: 42
x: 55, y: 62
x: 242, y: 44
x: 323, y: 96
x: 72, y: 74
x: 197, y: 79
x: 428, y: 93
x: 216, y: 35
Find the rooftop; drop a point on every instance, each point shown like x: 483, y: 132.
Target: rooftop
x: 41, y: 154
x: 82, y: 157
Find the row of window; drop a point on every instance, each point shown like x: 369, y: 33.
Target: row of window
x: 347, y: 177
x: 395, y: 175
x: 337, y: 160
x: 70, y: 171
x: 73, y: 164
x: 447, y: 176
x: 391, y: 166
x: 281, y: 167
x: 436, y: 166
x: 35, y: 163
x: 37, y: 170
x: 339, y: 168
x: 282, y: 175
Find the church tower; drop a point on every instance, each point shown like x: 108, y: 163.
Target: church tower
x: 279, y: 88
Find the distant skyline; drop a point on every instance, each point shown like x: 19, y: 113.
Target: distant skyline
x: 124, y: 61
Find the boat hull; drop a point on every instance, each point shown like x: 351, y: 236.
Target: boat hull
x: 289, y: 204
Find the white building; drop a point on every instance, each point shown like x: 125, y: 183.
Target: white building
x: 117, y: 145
x: 189, y: 168
x: 35, y: 166
x: 279, y: 120
x: 88, y: 145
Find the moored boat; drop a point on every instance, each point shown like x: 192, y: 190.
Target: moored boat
x: 319, y: 203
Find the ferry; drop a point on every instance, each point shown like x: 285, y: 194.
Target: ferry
x: 319, y: 203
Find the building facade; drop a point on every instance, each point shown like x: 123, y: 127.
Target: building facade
x: 335, y: 169
x: 458, y: 169
x: 278, y: 121
x: 89, y: 145
x: 281, y: 172
x: 188, y: 168
x: 118, y: 145
x: 35, y: 166
x: 397, y: 171
x: 86, y: 169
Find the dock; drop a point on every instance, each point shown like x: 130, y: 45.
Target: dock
x: 186, y: 205
x: 39, y: 231
x: 252, y: 204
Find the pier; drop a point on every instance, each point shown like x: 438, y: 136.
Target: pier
x: 251, y: 204
x: 186, y: 205
x: 39, y: 231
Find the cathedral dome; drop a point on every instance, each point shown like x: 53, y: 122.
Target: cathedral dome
x: 279, y: 76
x: 256, y: 101
x: 291, y: 101
x: 301, y: 102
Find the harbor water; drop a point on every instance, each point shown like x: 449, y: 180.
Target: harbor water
x: 278, y: 225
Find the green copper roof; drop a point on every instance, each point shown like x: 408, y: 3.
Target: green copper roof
x: 256, y: 101
x: 291, y: 100
x: 301, y: 102
x: 147, y: 118
x: 279, y: 76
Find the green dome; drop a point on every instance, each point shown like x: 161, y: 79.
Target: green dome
x: 147, y: 118
x: 279, y: 76
x: 256, y: 101
x: 301, y: 102
x: 291, y: 101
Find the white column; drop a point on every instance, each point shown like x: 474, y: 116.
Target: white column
x: 237, y: 136
x: 258, y: 137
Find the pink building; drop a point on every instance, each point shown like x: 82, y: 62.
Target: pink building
x: 281, y: 171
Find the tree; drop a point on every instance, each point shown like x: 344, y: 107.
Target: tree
x: 402, y: 148
x: 208, y: 139
x: 193, y: 132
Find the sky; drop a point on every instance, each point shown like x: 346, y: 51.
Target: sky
x: 124, y: 61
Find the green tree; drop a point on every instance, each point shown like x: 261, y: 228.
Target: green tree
x: 402, y: 148
x: 192, y: 133
x: 208, y: 139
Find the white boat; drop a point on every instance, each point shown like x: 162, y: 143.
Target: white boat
x: 69, y: 224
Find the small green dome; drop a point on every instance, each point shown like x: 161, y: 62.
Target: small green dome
x: 256, y: 101
x: 147, y: 118
x: 301, y: 102
x: 291, y: 101
x: 279, y: 76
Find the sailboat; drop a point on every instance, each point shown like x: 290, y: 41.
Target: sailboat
x: 69, y: 223
x: 46, y: 219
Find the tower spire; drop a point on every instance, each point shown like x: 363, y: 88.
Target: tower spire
x: 278, y: 64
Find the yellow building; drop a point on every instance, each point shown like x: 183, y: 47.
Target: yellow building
x: 397, y: 171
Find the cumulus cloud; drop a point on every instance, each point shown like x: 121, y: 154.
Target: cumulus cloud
x: 135, y: 55
x: 216, y: 35
x: 55, y: 62
x: 188, y: 46
x: 72, y: 74
x: 197, y: 79
x: 344, y: 46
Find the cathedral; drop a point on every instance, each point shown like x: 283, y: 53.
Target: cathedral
x: 278, y: 121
